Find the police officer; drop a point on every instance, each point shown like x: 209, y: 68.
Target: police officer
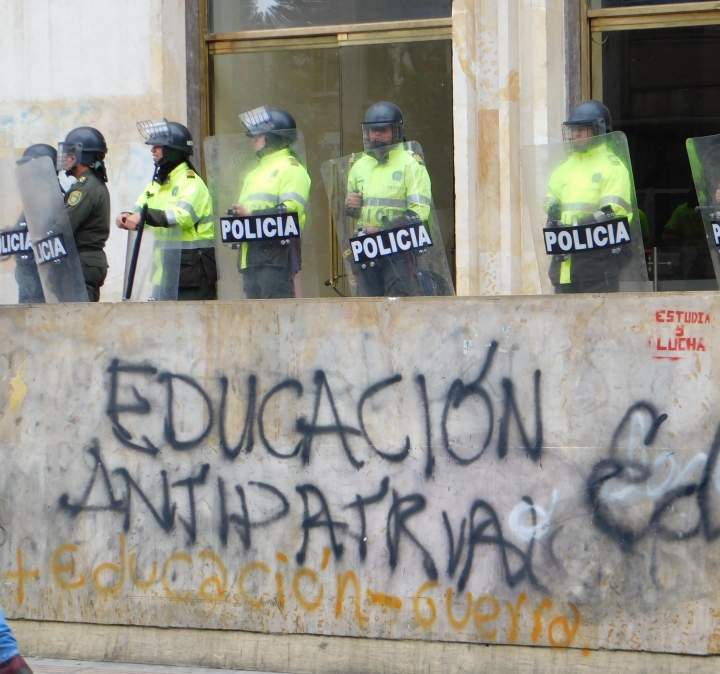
x: 278, y: 184
x: 30, y: 289
x: 178, y: 197
x: 591, y: 185
x: 388, y: 186
x: 82, y: 156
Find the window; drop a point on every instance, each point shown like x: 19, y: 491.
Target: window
x: 327, y: 77
x: 241, y: 15
x: 654, y: 67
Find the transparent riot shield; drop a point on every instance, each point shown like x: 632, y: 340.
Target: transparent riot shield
x: 264, y: 229
x: 388, y: 232
x: 582, y: 209
x: 704, y: 155
x: 52, y: 237
x: 153, y: 262
x: 19, y: 278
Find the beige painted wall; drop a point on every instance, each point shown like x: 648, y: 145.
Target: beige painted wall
x: 509, y: 91
x: 102, y: 63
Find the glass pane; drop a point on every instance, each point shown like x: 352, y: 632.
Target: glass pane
x: 417, y: 77
x: 235, y: 15
x: 663, y: 86
x: 306, y: 83
x: 605, y: 4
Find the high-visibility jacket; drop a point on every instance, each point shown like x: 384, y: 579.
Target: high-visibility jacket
x: 396, y: 182
x: 185, y: 200
x: 278, y: 179
x: 582, y: 185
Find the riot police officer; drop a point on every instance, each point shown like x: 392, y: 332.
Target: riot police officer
x: 388, y: 186
x: 30, y: 289
x: 591, y: 185
x: 278, y: 184
x: 82, y: 157
x: 178, y: 197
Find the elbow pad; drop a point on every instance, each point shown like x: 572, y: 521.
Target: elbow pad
x: 157, y: 218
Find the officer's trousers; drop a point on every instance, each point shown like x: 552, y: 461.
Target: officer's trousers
x: 607, y: 285
x: 390, y: 277
x: 268, y: 282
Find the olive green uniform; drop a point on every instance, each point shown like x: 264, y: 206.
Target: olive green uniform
x: 88, y: 207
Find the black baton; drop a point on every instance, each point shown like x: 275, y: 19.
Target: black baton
x: 135, y: 254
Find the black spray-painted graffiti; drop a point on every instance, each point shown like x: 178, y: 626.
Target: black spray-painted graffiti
x: 635, y: 497
x: 126, y: 405
x: 610, y: 483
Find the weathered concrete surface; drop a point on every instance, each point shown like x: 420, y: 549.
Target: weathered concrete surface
x: 54, y: 666
x: 304, y: 654
x: 70, y: 63
x: 508, y: 91
x: 211, y: 466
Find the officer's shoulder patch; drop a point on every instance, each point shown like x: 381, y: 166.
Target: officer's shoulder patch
x: 597, y: 177
x: 191, y: 174
x: 294, y: 162
x: 82, y: 180
x: 74, y: 198
x: 418, y: 158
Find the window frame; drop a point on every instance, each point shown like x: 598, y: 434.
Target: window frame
x: 643, y: 17
x: 306, y: 37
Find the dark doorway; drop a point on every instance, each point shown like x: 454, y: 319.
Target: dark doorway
x: 662, y: 87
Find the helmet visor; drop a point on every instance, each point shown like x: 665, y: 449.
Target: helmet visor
x: 382, y: 134
x: 155, y: 133
x: 577, y: 131
x: 69, y: 155
x: 257, y: 121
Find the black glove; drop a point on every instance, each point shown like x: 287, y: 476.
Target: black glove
x: 404, y: 219
x: 282, y: 208
x: 554, y: 214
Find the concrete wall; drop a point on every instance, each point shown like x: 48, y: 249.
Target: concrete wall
x: 103, y: 63
x: 520, y: 471
x: 509, y: 91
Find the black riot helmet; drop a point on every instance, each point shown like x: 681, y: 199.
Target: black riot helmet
x: 278, y: 126
x: 41, y: 150
x: 84, y: 145
x: 174, y: 138
x: 593, y: 115
x: 381, y: 116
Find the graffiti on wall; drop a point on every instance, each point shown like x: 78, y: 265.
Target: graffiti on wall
x: 415, y: 506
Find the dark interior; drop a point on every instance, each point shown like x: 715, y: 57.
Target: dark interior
x: 662, y: 87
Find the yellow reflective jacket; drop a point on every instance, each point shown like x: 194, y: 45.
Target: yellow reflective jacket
x: 581, y: 186
x: 186, y: 201
x: 278, y: 179
x: 391, y: 185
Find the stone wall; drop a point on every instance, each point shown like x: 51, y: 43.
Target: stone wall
x: 70, y: 63
x: 508, y: 92
x: 519, y: 471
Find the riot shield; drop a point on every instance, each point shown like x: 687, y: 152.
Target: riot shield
x: 582, y: 210
x: 19, y: 278
x: 153, y: 261
x: 265, y: 249
x: 387, y: 229
x: 704, y: 155
x: 52, y: 237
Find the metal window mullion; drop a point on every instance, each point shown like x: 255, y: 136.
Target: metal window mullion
x: 649, y: 21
